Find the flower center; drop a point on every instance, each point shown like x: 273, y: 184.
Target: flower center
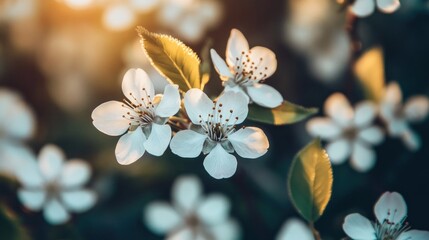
x: 247, y: 71
x: 142, y: 111
x: 350, y: 133
x: 218, y: 125
x: 389, y: 230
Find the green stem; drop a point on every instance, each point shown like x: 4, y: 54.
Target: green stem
x: 316, y: 233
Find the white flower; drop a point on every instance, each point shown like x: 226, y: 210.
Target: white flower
x: 142, y: 117
x: 398, y: 115
x: 295, y: 229
x: 192, y: 215
x: 55, y: 185
x: 364, y: 8
x: 16, y: 124
x: 391, y: 212
x: 349, y: 131
x: 246, y: 69
x: 213, y: 132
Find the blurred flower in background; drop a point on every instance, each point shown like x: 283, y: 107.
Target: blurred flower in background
x: 55, y: 185
x: 294, y: 229
x: 192, y: 215
x: 364, y: 8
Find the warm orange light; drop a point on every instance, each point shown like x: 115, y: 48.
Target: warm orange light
x: 118, y: 17
x: 78, y: 4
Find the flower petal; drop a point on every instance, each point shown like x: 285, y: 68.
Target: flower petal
x: 357, y: 226
x: 265, y: 95
x: 109, y: 118
x: 339, y: 150
x: 237, y: 44
x: 295, y: 229
x: 221, y: 68
x: 198, y: 106
x: 323, y: 127
x: 185, y: 233
x: 237, y: 89
x: 161, y: 218
x: 227, y: 230
x: 187, y: 143
x: 363, y: 157
x: 137, y: 86
x: 416, y: 108
x: 75, y: 173
x: 214, y: 209
x: 78, y: 200
x: 32, y: 200
x: 363, y: 8
x: 130, y: 147
x: 249, y: 142
x: 414, y: 235
x: 170, y: 102
x: 220, y: 164
x: 55, y: 213
x: 365, y: 112
x: 411, y: 140
x: 338, y: 108
x: 158, y: 140
x: 372, y: 135
x: 388, y: 6
x: 392, y: 94
x: 51, y: 159
x: 390, y: 206
x: 397, y: 127
x: 233, y: 106
x: 187, y: 191
x: 265, y: 61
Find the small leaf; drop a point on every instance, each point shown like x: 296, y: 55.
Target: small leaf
x: 172, y: 58
x: 10, y: 227
x: 310, y: 181
x: 286, y: 113
x: 369, y: 69
x: 205, y: 67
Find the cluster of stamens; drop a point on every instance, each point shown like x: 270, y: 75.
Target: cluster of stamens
x: 141, y: 112
x: 218, y: 126
x: 249, y: 71
x: 389, y: 230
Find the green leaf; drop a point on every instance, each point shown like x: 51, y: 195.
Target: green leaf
x: 172, y: 58
x: 10, y: 227
x: 369, y: 70
x: 286, y: 113
x: 310, y: 181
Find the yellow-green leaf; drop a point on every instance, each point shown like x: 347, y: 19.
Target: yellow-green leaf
x: 369, y: 70
x: 310, y: 181
x: 286, y: 113
x: 172, y: 58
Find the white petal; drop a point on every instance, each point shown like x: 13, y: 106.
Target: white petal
x: 372, y: 135
x: 295, y: 229
x: 227, y: 230
x: 75, y: 173
x: 32, y: 200
x: 78, y: 200
x: 393, y: 94
x: 130, y: 147
x: 265, y: 95
x: 363, y: 157
x: 51, y: 159
x: 338, y: 108
x: 324, y: 128
x: 416, y: 108
x: 237, y: 89
x: 220, y: 164
x: 55, y: 213
x: 397, y: 127
x: 237, y: 44
x: 363, y: 8
x: 357, y: 226
x: 214, y: 209
x: 170, y: 102
x: 185, y: 233
x: 158, y: 140
x: 186, y: 192
x: 265, y: 60
x: 365, y: 113
x: 108, y: 118
x: 197, y: 105
x: 17, y: 118
x: 414, y: 235
x: 249, y: 142
x: 136, y: 85
x: 411, y: 140
x: 161, y: 218
x: 235, y: 102
x: 339, y: 150
x: 187, y: 143
x: 221, y: 68
x: 390, y: 206
x: 388, y: 6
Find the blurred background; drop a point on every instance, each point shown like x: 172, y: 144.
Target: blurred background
x: 65, y: 57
